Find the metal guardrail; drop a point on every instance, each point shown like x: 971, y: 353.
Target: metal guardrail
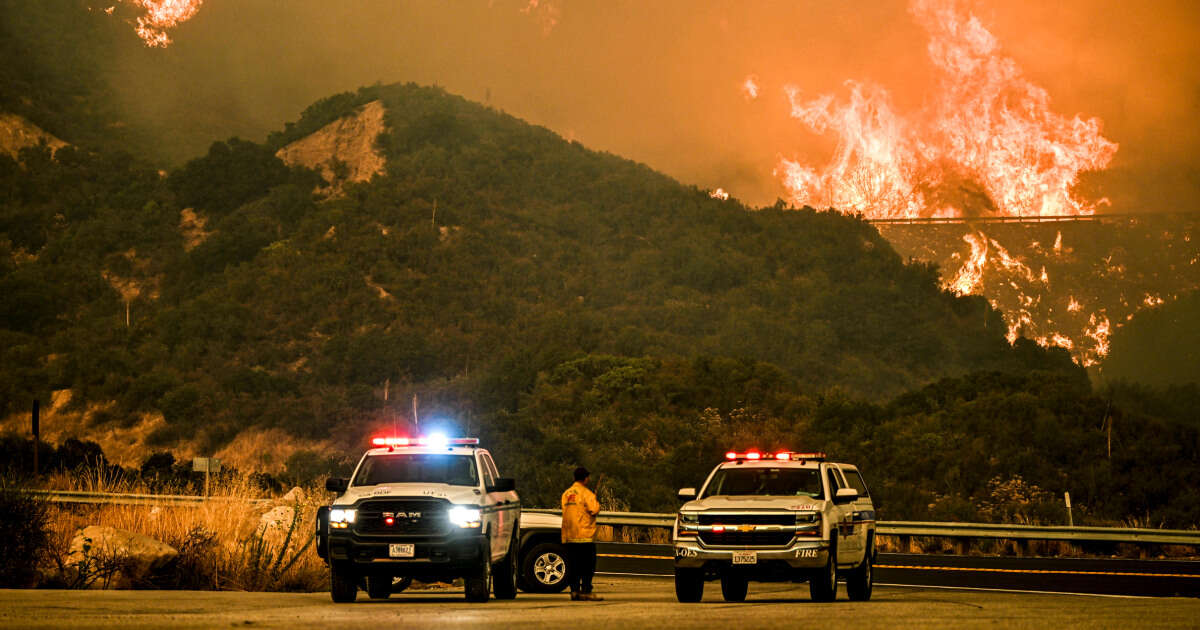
x: 1041, y: 532
x: 652, y: 519
x: 1058, y: 218
x: 116, y: 498
x: 959, y: 530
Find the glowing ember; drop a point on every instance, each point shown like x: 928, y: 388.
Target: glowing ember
x: 719, y: 194
x: 750, y: 87
x: 1074, y: 306
x: 1062, y: 341
x: 986, y: 144
x: 970, y: 275
x: 1058, y: 243
x: 1098, y: 330
x: 1153, y: 300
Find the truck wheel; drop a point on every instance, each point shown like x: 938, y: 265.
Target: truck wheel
x: 343, y: 582
x: 544, y: 569
x: 379, y: 586
x: 477, y: 585
x: 734, y: 587
x: 504, y: 574
x: 822, y: 587
x: 399, y: 584
x: 860, y: 580
x: 689, y: 584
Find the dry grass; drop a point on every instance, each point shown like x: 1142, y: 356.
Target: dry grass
x: 223, y: 543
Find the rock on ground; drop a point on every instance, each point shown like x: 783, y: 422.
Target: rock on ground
x: 114, y: 558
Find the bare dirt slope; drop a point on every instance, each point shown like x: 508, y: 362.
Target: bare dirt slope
x: 342, y: 151
x: 16, y: 133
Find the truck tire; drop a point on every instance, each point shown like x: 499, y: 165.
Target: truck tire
x: 861, y: 579
x: 504, y: 573
x: 734, y: 588
x: 343, y: 582
x: 689, y: 585
x: 399, y: 584
x: 544, y: 568
x: 822, y: 587
x: 379, y: 586
x: 477, y: 586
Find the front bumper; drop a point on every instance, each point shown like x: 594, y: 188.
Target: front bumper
x: 800, y: 554
x: 443, y: 554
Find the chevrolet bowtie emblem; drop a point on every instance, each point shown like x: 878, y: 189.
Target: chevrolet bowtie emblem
x: 746, y: 528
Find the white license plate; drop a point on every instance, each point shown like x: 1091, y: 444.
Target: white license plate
x: 401, y: 551
x: 745, y: 557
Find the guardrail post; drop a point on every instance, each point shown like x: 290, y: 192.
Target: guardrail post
x: 37, y: 436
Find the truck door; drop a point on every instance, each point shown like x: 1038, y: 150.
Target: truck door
x: 842, y: 516
x: 864, y: 508
x: 501, y: 508
x: 855, y: 531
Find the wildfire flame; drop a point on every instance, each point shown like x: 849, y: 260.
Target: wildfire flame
x: 986, y: 144
x: 719, y: 194
x: 159, y: 17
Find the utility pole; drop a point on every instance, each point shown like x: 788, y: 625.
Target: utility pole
x: 37, y: 435
x: 416, y: 421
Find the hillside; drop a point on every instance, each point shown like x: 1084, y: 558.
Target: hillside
x: 489, y: 252
x: 1160, y: 346
x: 568, y: 306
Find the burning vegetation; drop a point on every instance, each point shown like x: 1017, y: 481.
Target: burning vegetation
x: 986, y: 143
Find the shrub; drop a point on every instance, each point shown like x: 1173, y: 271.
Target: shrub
x: 24, y: 536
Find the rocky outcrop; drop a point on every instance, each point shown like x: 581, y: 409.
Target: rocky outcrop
x: 107, y: 557
x: 16, y: 133
x: 342, y: 151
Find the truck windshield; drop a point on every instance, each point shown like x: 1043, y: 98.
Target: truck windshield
x: 789, y: 482
x: 456, y: 470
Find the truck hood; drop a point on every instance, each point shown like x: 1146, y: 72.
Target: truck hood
x: 537, y: 520
x: 460, y: 495
x: 749, y: 502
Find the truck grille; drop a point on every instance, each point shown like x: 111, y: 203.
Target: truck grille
x: 731, y: 537
x: 412, y: 517
x: 787, y: 518
x: 748, y: 539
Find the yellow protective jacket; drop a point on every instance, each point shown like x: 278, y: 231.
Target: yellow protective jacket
x: 579, y: 510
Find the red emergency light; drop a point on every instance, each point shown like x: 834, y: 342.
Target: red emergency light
x: 424, y: 441
x: 782, y: 456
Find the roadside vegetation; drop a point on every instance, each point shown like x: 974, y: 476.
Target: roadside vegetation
x: 246, y: 538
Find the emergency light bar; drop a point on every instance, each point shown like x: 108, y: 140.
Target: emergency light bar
x: 782, y: 456
x: 424, y: 441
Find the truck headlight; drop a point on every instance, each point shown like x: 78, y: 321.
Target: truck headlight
x: 808, y: 523
x: 341, y: 518
x: 687, y: 524
x: 465, y: 517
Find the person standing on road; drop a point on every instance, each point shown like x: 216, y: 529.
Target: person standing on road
x: 579, y: 510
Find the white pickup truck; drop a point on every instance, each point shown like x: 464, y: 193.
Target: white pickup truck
x: 776, y: 517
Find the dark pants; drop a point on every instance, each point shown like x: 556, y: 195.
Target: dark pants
x: 581, y: 566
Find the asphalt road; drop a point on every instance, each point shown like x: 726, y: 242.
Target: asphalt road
x: 1165, y: 578
x: 647, y: 602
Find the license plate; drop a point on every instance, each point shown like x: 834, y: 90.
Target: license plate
x: 401, y: 551
x: 745, y: 557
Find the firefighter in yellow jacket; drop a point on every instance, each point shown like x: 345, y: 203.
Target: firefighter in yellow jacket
x: 579, y: 510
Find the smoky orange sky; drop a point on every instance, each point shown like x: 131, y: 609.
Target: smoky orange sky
x: 658, y: 81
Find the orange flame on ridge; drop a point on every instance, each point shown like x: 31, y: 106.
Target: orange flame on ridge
x: 987, y: 144
x: 160, y: 16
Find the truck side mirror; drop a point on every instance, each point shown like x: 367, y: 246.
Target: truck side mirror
x: 503, y: 484
x: 337, y: 484
x: 845, y: 495
x: 687, y: 494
